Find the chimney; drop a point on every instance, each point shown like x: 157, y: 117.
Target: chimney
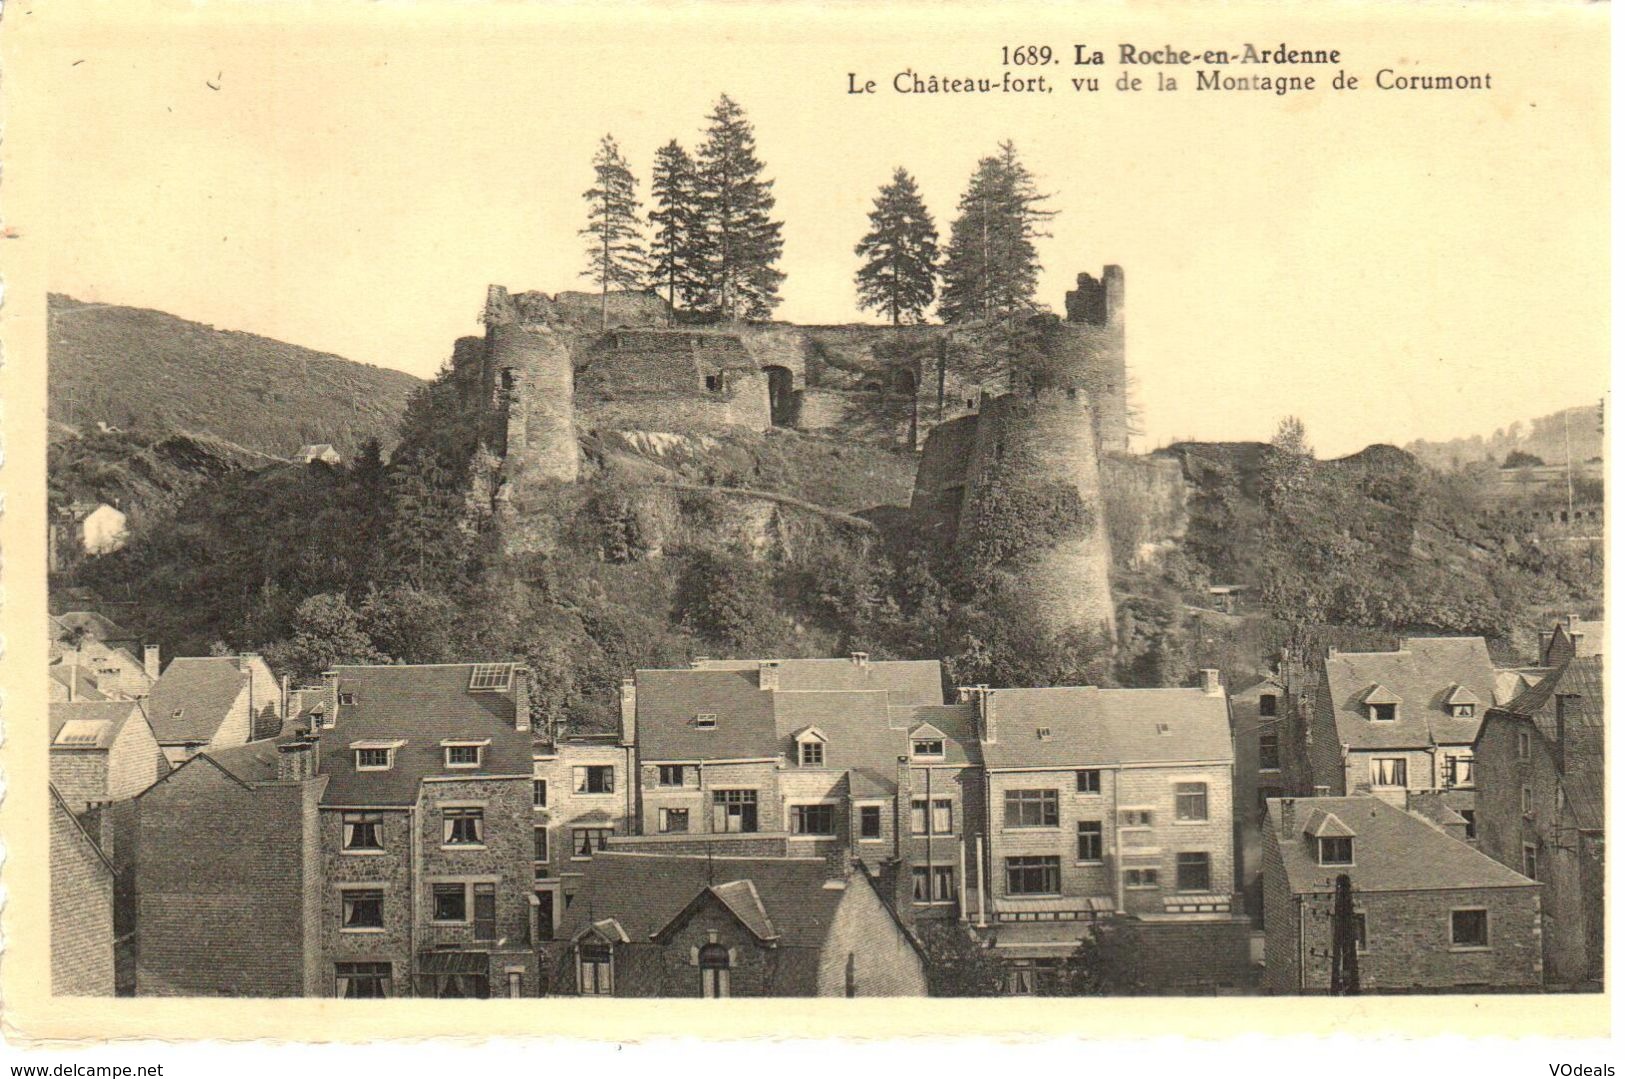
x: 1289, y: 815
x: 296, y: 760
x: 860, y: 658
x: 330, y: 698
x: 285, y: 686
x: 629, y: 711
x: 987, y: 727
x: 767, y: 674
x: 521, y: 697
x: 1210, y: 682
x: 149, y: 661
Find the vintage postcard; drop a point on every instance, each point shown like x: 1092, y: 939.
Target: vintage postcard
x: 611, y: 521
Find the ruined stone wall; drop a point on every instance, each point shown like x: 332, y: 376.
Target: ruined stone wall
x: 1095, y: 343
x: 1145, y: 500
x: 533, y: 388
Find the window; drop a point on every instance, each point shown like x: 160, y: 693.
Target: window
x: 812, y: 820
x: 463, y: 827
x: 1266, y: 704
x: 462, y: 756
x: 1336, y: 850
x: 1388, y: 771
x: 714, y: 964
x: 1531, y: 862
x: 1462, y: 711
x: 1359, y: 931
x: 1091, y: 844
x: 586, y: 840
x: 713, y: 383
x: 485, y: 912
x: 1088, y: 780
x: 1139, y: 878
x: 1194, y: 871
x: 812, y: 753
x: 1032, y: 874
x: 1190, y: 801
x: 928, y: 747
x: 363, y: 909
x: 1032, y: 809
x: 538, y: 793
x: 1472, y: 822
x: 450, y: 903
x: 933, y: 884
x: 941, y: 812
x: 1528, y: 802
x: 869, y: 822
x: 595, y: 779
x: 1383, y: 711
x: 347, y: 699
x: 1269, y: 751
x: 595, y: 969
x: 671, y: 775
x: 490, y: 678
x: 362, y: 831
x: 372, y: 760
x: 706, y: 721
x: 673, y: 820
x: 1523, y: 745
x: 733, y: 811
x: 515, y: 980
x: 1135, y: 818
x: 1044, y: 734
x: 1458, y: 772
x: 1470, y: 928
x: 361, y: 981
x: 539, y: 851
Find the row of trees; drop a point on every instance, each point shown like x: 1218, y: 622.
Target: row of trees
x: 713, y: 243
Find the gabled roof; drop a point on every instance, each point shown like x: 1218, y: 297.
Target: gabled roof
x: 1418, y: 677
x: 737, y: 897
x: 1380, y: 694
x: 668, y: 701
x: 1393, y: 850
x: 906, y: 681
x: 865, y: 736
x: 1460, y: 694
x: 251, y: 762
x: 1323, y: 825
x: 89, y: 624
x: 90, y: 724
x: 80, y: 683
x: 192, y: 698
x: 425, y: 705
x: 1584, y: 778
x: 1093, y: 726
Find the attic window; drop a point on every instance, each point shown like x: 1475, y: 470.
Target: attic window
x: 1384, y: 712
x: 1336, y: 850
x: 347, y: 699
x: 706, y: 721
x: 491, y: 678
x: 1044, y: 734
x: 812, y: 753
x: 374, y: 757
x: 1164, y: 729
x: 927, y: 747
x: 464, y: 754
x: 177, y: 713
x: 1461, y: 711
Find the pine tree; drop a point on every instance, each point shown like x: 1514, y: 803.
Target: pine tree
x: 676, y: 250
x: 899, y: 273
x: 992, y: 267
x: 742, y: 241
x: 615, y: 257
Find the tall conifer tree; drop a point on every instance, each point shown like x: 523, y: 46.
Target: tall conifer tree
x: 615, y: 257
x: 992, y: 267
x: 742, y: 241
x: 899, y: 274
x: 676, y: 251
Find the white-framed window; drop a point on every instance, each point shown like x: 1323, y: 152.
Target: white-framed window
x: 464, y: 754
x: 539, y: 844
x: 1458, y: 770
x: 1032, y: 809
x: 812, y: 820
x: 1523, y: 745
x: 490, y: 678
x: 1190, y: 801
x: 733, y: 810
x: 462, y: 826
x: 347, y: 699
x: 671, y: 775
x: 375, y: 756
x: 1461, y: 711
x: 705, y: 721
x: 1091, y: 841
x: 869, y: 823
x: 584, y: 841
x: 1336, y: 850
x: 1388, y: 771
x: 1140, y: 879
x: 594, y: 778
x: 595, y: 969
x: 538, y: 793
x: 1194, y: 871
x: 1527, y: 800
x: 450, y: 902
x: 933, y: 883
x: 363, y: 831
x: 1088, y: 780
x: 935, y: 818
x: 1032, y: 874
x: 1470, y: 929
x: 927, y: 748
x: 812, y: 753
x: 361, y: 910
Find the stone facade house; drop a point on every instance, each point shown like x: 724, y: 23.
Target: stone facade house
x: 1431, y: 913
x: 582, y: 797
x: 1571, y: 638
x: 210, y: 702
x: 1256, y: 716
x: 656, y: 925
x: 81, y: 908
x: 1109, y: 803
x: 103, y: 751
x: 1540, y: 808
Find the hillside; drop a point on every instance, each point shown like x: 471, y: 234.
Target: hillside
x: 1544, y: 438
x: 132, y: 368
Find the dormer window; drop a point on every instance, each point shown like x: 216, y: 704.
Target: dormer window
x: 375, y: 756
x: 469, y: 754
x: 1044, y: 734
x: 1461, y: 702
x: 347, y: 699
x: 706, y: 721
x: 1336, y: 850
x: 810, y: 748
x: 1382, y: 712
x: 927, y: 747
x: 1462, y: 711
x: 1381, y: 704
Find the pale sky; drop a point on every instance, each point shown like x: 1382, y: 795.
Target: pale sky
x: 1386, y: 266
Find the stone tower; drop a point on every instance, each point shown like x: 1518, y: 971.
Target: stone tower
x: 529, y: 380
x: 1096, y: 342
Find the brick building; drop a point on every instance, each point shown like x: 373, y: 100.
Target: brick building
x: 654, y: 925
x: 1540, y: 807
x: 1105, y: 803
x: 103, y: 751
x: 209, y: 702
x: 582, y: 796
x: 1256, y: 720
x: 1431, y: 912
x: 82, y: 962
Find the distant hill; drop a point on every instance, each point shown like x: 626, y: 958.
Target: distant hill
x: 1543, y: 438
x: 128, y: 367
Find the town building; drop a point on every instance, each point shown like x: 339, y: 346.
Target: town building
x: 1390, y: 722
x: 1570, y: 638
x: 82, y: 963
x: 103, y: 751
x: 661, y: 925
x: 582, y: 797
x: 1430, y: 913
x: 1109, y: 803
x: 1256, y: 714
x: 1540, y: 808
x: 209, y: 702
x: 87, y: 667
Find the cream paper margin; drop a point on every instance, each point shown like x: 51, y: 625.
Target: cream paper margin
x: 1556, y: 52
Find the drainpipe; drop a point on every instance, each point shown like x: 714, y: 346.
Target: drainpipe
x: 964, y: 915
x: 414, y: 860
x: 982, y: 885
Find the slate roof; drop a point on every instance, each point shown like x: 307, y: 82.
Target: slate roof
x: 79, y: 681
x: 1394, y: 851
x: 1421, y: 675
x: 202, y: 689
x: 1585, y: 777
x: 251, y: 762
x: 1089, y: 726
x: 90, y: 623
x: 668, y: 701
x: 73, y: 722
x: 908, y: 681
x: 865, y: 735
x: 419, y: 705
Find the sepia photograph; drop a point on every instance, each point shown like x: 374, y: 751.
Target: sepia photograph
x: 721, y: 502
